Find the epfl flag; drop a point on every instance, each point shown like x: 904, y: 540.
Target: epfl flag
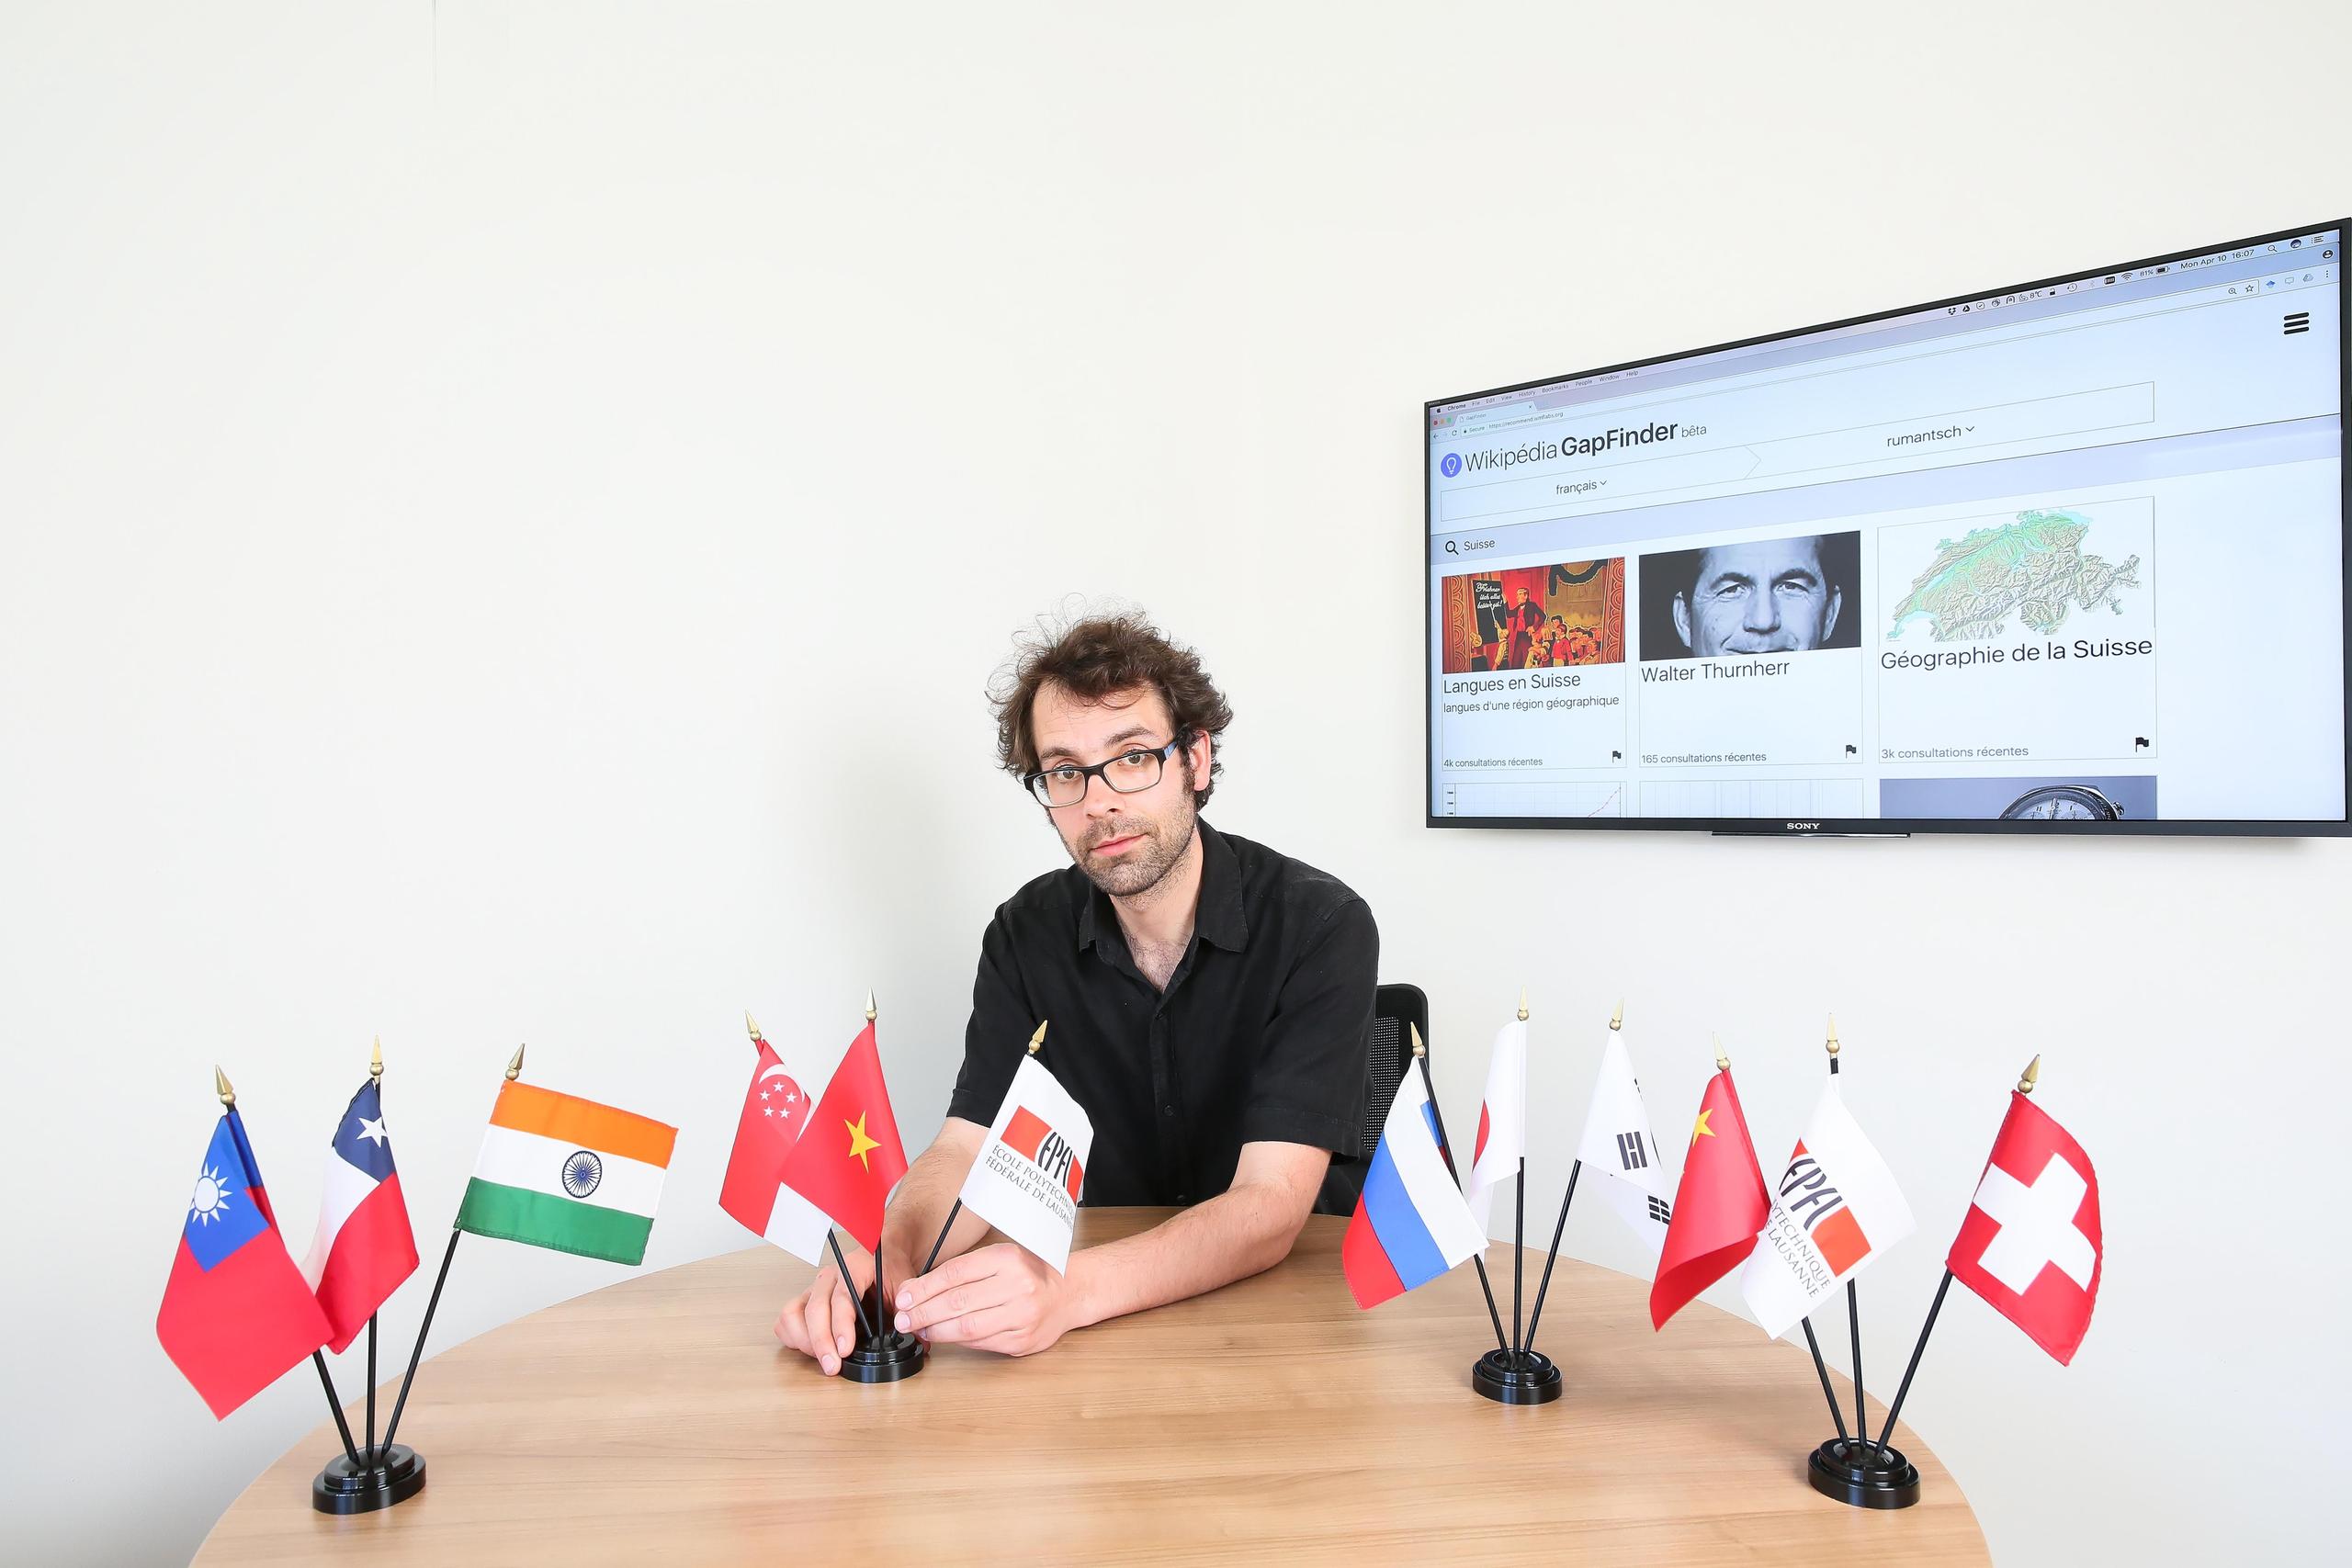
x: 1027, y: 1178
x: 1835, y: 1208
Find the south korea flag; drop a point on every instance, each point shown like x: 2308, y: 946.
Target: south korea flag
x: 1617, y: 1143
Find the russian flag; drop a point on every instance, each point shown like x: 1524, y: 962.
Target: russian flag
x: 364, y: 1247
x: 1412, y: 1223
x: 236, y: 1313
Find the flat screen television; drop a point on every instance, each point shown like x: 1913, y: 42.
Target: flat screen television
x: 2068, y: 556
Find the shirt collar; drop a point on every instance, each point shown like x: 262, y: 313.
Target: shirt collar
x: 1218, y: 918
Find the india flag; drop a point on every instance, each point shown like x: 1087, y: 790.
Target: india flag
x: 567, y: 1173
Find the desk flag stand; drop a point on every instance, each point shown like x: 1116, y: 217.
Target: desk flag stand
x: 1513, y: 1372
x: 390, y: 1474
x: 1852, y: 1469
x: 878, y: 1356
x: 1544, y: 1286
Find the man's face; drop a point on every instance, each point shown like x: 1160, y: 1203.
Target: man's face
x: 1523, y: 595
x: 1770, y: 596
x: 1124, y: 843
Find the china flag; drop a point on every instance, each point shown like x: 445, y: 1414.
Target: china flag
x: 849, y: 1158
x: 1718, y: 1209
x: 2030, y: 1245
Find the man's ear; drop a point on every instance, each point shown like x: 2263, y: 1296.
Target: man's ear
x: 1682, y: 619
x: 1199, y: 751
x: 1829, y: 622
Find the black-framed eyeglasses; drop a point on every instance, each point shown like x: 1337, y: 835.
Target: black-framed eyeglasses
x: 1129, y: 772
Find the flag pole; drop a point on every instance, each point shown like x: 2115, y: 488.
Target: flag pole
x: 832, y: 1239
x: 1820, y: 1367
x: 1616, y: 1023
x: 1853, y: 1301
x: 2031, y: 1075
x: 375, y: 1077
x: 1445, y: 1149
x: 433, y: 1302
x: 416, y: 1354
x: 1518, y: 1202
x: 1904, y: 1388
x: 881, y: 1296
x: 319, y: 1360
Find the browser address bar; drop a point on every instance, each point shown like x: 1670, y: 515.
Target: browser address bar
x: 1896, y: 440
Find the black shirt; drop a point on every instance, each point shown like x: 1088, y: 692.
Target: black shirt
x: 1263, y: 1034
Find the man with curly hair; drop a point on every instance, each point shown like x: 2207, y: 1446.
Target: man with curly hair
x: 1211, y: 1004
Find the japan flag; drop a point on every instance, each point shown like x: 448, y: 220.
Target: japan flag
x: 2031, y: 1244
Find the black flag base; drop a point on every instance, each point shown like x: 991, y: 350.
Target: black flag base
x: 1862, y: 1474
x: 1522, y: 1377
x: 888, y: 1358
x: 344, y: 1488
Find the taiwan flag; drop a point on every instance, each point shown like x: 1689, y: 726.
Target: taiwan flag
x: 850, y: 1157
x: 236, y: 1313
x: 364, y: 1247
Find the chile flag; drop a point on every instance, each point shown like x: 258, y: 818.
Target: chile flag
x: 236, y: 1313
x: 362, y: 1248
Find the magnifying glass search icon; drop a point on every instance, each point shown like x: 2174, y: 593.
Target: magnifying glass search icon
x: 1450, y: 549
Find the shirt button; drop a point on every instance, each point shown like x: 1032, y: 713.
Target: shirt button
x: 1183, y: 1197
x: 1168, y: 1111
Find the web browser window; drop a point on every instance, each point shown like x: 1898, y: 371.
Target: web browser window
x: 2069, y: 554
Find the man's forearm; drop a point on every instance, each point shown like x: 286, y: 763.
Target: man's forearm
x: 1242, y: 1230
x: 918, y: 1208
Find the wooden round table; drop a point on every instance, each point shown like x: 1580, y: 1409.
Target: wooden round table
x: 657, y: 1420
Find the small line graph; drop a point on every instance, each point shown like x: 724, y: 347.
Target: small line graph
x: 1753, y: 798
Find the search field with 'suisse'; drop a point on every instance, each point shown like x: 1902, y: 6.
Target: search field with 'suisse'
x: 1764, y: 456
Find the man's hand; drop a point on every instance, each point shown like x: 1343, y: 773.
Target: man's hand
x: 821, y: 1322
x: 997, y: 1298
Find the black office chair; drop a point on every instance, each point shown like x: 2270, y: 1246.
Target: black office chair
x: 1397, y: 1010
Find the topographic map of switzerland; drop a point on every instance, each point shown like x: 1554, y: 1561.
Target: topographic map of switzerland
x: 2034, y: 566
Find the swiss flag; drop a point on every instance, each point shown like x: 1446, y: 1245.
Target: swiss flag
x: 2030, y: 1245
x: 1718, y: 1209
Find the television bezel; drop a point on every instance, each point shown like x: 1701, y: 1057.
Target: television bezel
x: 1898, y: 826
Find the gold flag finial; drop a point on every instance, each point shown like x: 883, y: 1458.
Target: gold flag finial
x: 751, y: 1027
x: 1420, y: 1050
x: 2032, y: 1076
x: 869, y: 1004
x: 376, y: 1065
x: 514, y: 1066
x: 1722, y: 1063
x: 1831, y: 1043
x: 1038, y: 1041
x: 220, y: 1086
x: 1522, y: 1004
x: 1617, y: 1019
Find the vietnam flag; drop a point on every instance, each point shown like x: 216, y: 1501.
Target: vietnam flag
x: 1718, y: 1209
x: 850, y: 1157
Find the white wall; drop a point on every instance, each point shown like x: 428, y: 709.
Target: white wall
x: 505, y: 525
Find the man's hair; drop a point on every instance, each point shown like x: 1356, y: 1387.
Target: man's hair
x: 1093, y: 658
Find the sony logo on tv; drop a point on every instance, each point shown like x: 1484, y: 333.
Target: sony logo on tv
x: 1804, y: 827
